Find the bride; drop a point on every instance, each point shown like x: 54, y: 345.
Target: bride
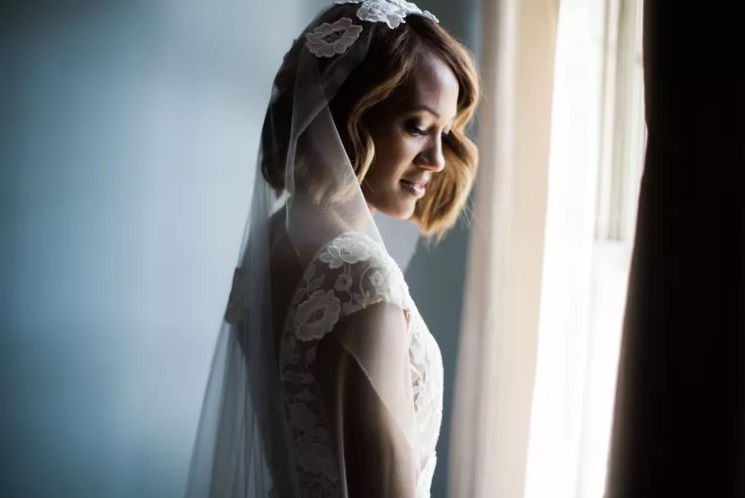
x: 326, y: 381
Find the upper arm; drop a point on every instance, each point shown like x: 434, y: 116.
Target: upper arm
x: 373, y: 403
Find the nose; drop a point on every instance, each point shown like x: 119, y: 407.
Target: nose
x: 432, y: 157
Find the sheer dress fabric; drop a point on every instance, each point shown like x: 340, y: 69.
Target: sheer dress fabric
x: 353, y: 275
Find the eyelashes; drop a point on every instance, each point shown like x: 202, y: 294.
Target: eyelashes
x: 414, y: 129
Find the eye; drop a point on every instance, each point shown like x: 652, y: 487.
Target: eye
x: 413, y: 128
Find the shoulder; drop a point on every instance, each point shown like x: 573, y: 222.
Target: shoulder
x: 348, y: 274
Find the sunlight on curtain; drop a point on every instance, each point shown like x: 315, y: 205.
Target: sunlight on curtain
x: 564, y: 331
x: 499, y: 325
x: 594, y: 169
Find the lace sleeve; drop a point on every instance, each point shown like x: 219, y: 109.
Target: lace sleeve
x: 345, y: 372
x: 351, y: 273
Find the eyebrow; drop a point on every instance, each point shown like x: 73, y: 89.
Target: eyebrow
x: 423, y: 107
x: 426, y: 108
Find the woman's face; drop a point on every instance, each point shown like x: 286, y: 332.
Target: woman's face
x: 408, y: 139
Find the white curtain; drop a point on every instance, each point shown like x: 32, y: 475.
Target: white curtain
x: 497, y: 353
x: 565, y: 333
x: 546, y: 284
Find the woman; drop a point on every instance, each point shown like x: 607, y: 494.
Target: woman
x: 326, y: 381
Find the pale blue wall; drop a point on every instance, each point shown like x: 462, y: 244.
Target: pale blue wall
x: 128, y: 131
x: 129, y: 134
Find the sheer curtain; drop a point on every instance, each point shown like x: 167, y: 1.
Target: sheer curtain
x: 584, y: 277
x: 500, y: 317
x: 549, y: 251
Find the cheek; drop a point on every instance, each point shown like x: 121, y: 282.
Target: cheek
x: 394, y: 156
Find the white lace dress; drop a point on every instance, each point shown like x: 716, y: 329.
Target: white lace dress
x: 348, y: 274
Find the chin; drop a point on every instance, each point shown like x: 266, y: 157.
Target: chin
x: 398, y: 205
x: 402, y: 211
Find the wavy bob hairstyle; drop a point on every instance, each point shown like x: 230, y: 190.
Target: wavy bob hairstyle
x: 393, y: 56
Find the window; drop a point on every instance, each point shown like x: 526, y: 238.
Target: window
x: 624, y: 132
x: 596, y: 159
x: 623, y: 142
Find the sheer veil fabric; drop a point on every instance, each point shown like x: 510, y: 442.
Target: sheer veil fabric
x: 294, y: 371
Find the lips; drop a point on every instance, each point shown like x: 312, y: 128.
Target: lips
x: 420, y: 182
x: 415, y: 187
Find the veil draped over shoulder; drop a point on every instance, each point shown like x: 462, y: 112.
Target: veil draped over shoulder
x: 300, y: 383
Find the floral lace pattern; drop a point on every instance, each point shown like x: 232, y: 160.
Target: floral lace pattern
x: 328, y: 40
x: 350, y: 273
x: 391, y: 12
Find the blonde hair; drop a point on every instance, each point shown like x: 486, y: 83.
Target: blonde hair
x: 393, y: 56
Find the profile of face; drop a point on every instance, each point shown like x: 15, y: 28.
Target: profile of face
x: 408, y: 139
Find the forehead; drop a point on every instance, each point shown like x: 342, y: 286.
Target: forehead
x: 433, y: 84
